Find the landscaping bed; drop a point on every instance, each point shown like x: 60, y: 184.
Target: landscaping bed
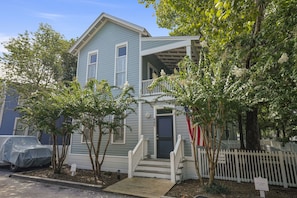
x: 186, y: 189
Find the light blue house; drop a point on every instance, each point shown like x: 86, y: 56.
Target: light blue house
x: 119, y: 51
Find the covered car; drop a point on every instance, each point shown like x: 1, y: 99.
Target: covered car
x: 23, y: 152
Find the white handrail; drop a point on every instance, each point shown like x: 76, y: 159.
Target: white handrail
x: 157, y: 90
x: 135, y: 155
x: 176, y: 157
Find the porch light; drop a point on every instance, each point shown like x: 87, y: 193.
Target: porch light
x: 148, y: 115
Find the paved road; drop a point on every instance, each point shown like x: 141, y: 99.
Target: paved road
x: 20, y: 188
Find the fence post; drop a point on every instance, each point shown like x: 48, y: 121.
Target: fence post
x: 199, y: 161
x: 283, y: 171
x: 237, y: 166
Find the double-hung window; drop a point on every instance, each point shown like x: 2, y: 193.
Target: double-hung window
x: 119, y: 133
x: 92, y: 65
x: 121, y: 65
x: 86, y: 134
x: 20, y: 128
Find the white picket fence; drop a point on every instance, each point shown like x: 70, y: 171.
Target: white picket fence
x: 272, y: 144
x: 280, y: 168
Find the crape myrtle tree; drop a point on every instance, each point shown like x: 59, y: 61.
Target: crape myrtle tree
x: 251, y: 35
x: 100, y: 110
x: 51, y: 111
x: 205, y: 91
x: 35, y: 65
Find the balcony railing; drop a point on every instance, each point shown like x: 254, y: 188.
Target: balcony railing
x: 156, y: 91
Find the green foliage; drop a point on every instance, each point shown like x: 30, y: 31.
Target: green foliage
x: 44, y: 110
x: 99, y: 108
x: 256, y: 35
x: 206, y: 91
x: 36, y: 60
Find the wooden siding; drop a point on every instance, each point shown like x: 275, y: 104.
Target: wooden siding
x: 9, y: 114
x: 105, y: 41
x: 145, y: 45
x: 148, y: 127
x: 155, y: 62
x: 111, y: 163
x: 182, y: 129
x: 79, y: 147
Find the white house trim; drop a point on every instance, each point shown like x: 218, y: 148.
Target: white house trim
x: 115, y: 60
x: 165, y: 47
x: 156, y: 107
x: 162, y: 38
x: 2, y: 105
x: 98, y: 24
x: 88, y: 61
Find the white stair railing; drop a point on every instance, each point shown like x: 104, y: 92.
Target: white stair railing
x: 136, y: 155
x: 176, y: 157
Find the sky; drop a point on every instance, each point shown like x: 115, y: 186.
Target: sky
x: 70, y: 17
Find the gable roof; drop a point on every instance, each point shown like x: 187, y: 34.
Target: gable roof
x: 98, y: 24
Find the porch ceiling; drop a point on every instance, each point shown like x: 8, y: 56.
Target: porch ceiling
x: 172, y: 57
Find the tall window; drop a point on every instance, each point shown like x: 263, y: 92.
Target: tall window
x: 86, y: 136
x: 118, y: 135
x: 121, y: 65
x: 21, y: 128
x: 92, y: 65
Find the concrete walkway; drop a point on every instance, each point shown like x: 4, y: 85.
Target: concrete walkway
x: 141, y: 187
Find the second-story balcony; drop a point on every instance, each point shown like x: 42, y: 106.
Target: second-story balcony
x: 151, y: 92
x: 164, y: 53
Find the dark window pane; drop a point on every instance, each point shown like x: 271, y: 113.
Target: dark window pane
x: 93, y: 58
x: 122, y: 51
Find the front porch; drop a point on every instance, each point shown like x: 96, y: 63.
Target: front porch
x: 141, y: 165
x: 164, y: 53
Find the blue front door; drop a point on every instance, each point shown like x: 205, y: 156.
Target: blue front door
x: 164, y: 136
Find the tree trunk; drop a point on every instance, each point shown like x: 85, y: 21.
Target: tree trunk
x: 284, y: 131
x: 211, y: 173
x: 240, y: 131
x: 252, y: 132
x: 196, y: 161
x: 277, y: 132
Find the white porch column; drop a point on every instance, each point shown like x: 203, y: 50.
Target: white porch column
x: 189, y: 51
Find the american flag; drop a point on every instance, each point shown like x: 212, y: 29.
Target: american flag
x: 194, y: 130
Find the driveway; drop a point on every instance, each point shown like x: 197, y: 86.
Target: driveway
x: 20, y: 188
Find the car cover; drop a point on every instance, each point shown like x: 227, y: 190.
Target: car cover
x: 24, y: 151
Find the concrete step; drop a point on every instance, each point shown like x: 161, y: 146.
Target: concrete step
x: 156, y: 168
x: 153, y: 168
x: 160, y: 175
x: 154, y: 162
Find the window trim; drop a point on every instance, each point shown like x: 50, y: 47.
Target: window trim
x: 117, y: 46
x: 154, y: 69
x: 2, y: 106
x: 82, y: 136
x: 90, y: 53
x: 15, y: 127
x: 124, y: 134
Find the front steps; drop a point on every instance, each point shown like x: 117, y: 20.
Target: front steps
x: 156, y: 168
